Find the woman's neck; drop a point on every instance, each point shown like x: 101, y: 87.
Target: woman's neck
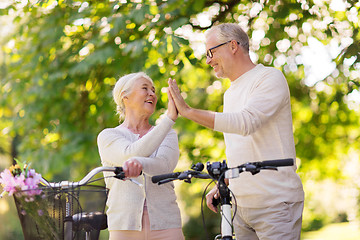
x: 137, y: 126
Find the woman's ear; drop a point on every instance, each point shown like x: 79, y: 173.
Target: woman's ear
x: 123, y: 95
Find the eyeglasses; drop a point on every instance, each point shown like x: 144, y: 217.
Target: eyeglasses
x: 209, y: 53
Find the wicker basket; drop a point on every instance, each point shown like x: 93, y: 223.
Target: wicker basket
x: 63, y: 213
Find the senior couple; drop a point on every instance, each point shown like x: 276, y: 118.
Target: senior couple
x: 257, y: 125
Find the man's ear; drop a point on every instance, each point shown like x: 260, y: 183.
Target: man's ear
x: 234, y: 46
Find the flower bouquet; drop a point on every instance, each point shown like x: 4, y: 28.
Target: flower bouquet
x: 31, y: 200
x: 20, y: 180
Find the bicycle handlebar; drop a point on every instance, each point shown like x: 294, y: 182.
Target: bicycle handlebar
x: 219, y: 171
x: 158, y: 178
x: 66, y: 184
x: 217, y: 168
x: 255, y: 167
x: 186, y: 175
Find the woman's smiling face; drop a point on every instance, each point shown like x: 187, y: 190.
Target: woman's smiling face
x: 142, y: 97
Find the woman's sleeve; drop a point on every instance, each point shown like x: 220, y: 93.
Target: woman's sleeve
x: 115, y: 147
x: 165, y: 159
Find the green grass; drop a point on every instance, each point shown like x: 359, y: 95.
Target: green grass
x: 335, y: 231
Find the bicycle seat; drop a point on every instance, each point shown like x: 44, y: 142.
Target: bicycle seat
x: 90, y: 221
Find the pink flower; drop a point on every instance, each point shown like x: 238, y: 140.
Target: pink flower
x: 31, y: 185
x: 20, y: 184
x: 10, y: 183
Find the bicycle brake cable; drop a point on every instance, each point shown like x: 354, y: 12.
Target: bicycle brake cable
x: 202, y: 208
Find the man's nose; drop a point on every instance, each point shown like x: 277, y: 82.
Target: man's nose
x: 208, y: 59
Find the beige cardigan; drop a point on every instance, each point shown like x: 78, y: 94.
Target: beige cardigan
x: 257, y: 125
x: 158, y: 151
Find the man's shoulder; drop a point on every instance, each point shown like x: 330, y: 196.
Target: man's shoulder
x: 270, y: 74
x: 268, y: 69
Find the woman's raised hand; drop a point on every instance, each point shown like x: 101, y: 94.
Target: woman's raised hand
x: 179, y: 101
x: 172, y: 110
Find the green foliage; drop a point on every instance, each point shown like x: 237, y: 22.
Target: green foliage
x: 61, y: 59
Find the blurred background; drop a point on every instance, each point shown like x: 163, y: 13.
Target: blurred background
x: 60, y: 59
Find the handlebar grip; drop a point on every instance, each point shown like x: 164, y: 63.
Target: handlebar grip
x: 158, y: 178
x: 118, y: 170
x: 278, y: 163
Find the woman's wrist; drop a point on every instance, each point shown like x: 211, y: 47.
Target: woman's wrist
x: 172, y: 116
x: 168, y: 119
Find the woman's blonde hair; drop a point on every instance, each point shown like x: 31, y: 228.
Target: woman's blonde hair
x: 230, y: 31
x: 123, y: 87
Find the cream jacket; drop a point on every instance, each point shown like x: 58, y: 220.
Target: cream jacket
x: 158, y: 151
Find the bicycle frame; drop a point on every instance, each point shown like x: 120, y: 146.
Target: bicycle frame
x: 217, y: 171
x: 225, y: 202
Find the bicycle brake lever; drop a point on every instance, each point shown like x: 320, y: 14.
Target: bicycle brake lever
x: 269, y: 168
x: 185, y: 175
x: 120, y: 176
x: 257, y: 170
x: 136, y: 182
x: 166, y: 180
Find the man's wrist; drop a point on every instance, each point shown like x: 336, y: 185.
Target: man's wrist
x: 188, y: 113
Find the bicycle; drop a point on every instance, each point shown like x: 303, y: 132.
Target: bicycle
x: 69, y: 210
x: 219, y: 171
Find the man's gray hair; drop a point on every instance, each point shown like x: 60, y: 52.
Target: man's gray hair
x: 230, y: 31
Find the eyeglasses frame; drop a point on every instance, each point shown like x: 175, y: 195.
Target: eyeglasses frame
x: 209, y: 53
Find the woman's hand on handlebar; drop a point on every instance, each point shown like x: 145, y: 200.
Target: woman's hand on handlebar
x: 214, y: 193
x: 132, y: 168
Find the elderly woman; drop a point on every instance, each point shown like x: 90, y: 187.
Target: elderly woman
x: 151, y: 211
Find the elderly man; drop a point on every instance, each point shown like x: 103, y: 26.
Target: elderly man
x: 257, y: 125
